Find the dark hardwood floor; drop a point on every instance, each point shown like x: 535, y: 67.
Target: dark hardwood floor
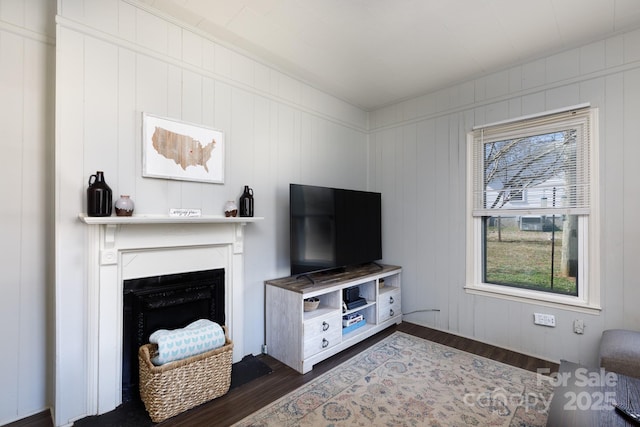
x: 248, y: 398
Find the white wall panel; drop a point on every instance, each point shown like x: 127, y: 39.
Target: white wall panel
x: 631, y: 182
x: 262, y: 78
x: 240, y: 143
x: 36, y: 231
x: 497, y: 84
x: 426, y: 206
x: 192, y: 49
x: 174, y: 88
x: 614, y: 51
x: 515, y: 107
x: 562, y: 96
x: 604, y: 73
x: 409, y: 108
x: 70, y: 196
x: 427, y: 104
x: 632, y: 46
x: 26, y: 120
x: 191, y: 94
x: 613, y: 217
x: 515, y: 79
x: 208, y: 102
x: 152, y: 32
x: 222, y: 61
x: 289, y: 88
x: 102, y: 15
x: 533, y: 103
x: 514, y: 334
x: 126, y: 21
x: 496, y: 112
x: 128, y: 140
x: 563, y: 66
x: 457, y: 217
x: 410, y: 191
x: 307, y: 160
x: 174, y: 41
x: 242, y: 69
x: 11, y: 50
x: 444, y: 235
x: 533, y: 74
x: 592, y: 57
x: 100, y: 89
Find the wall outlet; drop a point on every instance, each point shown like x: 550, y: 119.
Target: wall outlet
x: 578, y: 326
x: 544, y: 319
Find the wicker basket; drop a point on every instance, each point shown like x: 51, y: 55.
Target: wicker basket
x: 172, y: 388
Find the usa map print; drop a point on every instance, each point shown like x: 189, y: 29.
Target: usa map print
x: 179, y: 150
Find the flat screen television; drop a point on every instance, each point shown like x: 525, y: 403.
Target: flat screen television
x: 333, y: 228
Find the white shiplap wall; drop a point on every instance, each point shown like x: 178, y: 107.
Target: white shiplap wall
x: 418, y: 160
x: 26, y: 122
x: 116, y: 59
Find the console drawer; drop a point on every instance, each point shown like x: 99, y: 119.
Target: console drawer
x: 322, y: 342
x: 322, y: 325
x: 389, y: 305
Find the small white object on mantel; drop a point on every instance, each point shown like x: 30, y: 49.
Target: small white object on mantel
x: 190, y: 213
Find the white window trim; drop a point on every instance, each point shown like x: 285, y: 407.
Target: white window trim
x: 588, y: 299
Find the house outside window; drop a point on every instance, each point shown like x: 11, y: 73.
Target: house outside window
x: 533, y: 209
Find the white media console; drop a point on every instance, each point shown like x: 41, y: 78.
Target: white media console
x: 300, y: 339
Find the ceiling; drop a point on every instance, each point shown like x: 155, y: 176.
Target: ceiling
x: 372, y: 53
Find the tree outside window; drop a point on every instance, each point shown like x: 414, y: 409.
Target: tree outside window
x: 530, y: 195
x: 534, y: 251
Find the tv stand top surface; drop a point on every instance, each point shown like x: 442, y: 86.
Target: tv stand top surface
x: 316, y: 281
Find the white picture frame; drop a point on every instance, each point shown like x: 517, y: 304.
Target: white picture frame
x: 174, y: 149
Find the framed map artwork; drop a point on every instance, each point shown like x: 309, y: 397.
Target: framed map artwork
x: 174, y: 149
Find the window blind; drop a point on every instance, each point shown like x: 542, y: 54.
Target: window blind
x: 533, y: 166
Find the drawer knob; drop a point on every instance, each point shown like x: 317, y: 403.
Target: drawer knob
x: 325, y: 343
x: 391, y: 313
x: 325, y: 326
x: 390, y: 300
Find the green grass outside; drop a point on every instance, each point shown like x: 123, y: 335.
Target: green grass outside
x: 523, y: 258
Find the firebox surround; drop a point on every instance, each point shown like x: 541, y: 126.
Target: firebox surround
x: 121, y: 248
x: 165, y: 302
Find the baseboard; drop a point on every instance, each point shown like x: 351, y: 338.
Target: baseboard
x: 481, y: 341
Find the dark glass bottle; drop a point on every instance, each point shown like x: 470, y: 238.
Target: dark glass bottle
x: 246, y: 202
x: 99, y: 196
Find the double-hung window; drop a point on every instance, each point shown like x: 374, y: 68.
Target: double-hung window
x: 533, y: 212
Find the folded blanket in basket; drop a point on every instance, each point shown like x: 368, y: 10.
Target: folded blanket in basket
x: 195, y: 338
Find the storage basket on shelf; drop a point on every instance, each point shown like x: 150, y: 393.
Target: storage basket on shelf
x: 175, y: 387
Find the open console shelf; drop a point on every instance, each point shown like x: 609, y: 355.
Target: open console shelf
x: 300, y: 339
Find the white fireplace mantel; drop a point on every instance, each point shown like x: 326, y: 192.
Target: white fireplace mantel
x: 121, y: 248
x: 166, y: 219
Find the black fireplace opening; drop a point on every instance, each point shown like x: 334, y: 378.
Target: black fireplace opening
x: 165, y: 302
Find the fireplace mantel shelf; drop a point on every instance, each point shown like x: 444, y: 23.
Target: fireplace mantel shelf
x: 164, y: 219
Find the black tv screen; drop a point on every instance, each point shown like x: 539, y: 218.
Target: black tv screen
x: 332, y: 227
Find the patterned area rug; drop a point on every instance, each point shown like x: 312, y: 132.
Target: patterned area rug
x: 408, y: 381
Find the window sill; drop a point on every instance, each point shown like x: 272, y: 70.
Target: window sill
x: 564, y: 302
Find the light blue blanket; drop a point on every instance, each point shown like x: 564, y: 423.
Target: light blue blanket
x: 197, y: 337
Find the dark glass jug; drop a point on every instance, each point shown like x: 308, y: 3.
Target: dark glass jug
x: 99, y: 196
x: 246, y: 202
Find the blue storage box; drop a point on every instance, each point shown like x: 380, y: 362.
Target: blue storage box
x: 354, y: 326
